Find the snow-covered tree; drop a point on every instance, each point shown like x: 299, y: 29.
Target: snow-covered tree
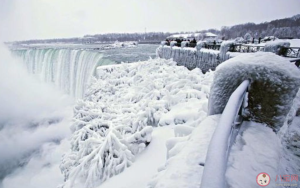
x: 101, y: 146
x: 114, y: 121
x: 248, y: 37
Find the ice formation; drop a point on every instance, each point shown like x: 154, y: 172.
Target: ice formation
x: 274, y: 84
x: 114, y: 121
x: 185, y: 44
x: 191, y: 58
x: 200, y: 44
x: 276, y: 46
x: 173, y: 43
x: 225, y: 46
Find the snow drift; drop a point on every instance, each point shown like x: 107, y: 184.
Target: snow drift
x: 186, y: 157
x: 274, y: 84
x: 257, y: 149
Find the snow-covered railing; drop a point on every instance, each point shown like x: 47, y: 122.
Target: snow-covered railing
x: 293, y: 52
x: 222, y: 139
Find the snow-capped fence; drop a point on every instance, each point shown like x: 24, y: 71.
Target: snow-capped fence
x: 247, y: 48
x: 223, y: 137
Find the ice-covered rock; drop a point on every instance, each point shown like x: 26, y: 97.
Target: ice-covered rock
x: 274, y: 84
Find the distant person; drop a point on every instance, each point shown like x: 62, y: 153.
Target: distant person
x: 253, y: 40
x: 167, y: 42
x: 259, y: 39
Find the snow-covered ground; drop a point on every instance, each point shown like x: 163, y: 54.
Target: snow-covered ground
x: 186, y: 157
x: 146, y: 163
x: 257, y: 149
x: 144, y: 125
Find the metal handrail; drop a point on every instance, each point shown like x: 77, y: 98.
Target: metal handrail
x: 222, y: 139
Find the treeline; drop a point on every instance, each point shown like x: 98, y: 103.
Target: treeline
x: 281, y: 28
x: 110, y: 37
x: 151, y: 36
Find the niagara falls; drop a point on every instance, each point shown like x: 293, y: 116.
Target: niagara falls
x: 149, y: 94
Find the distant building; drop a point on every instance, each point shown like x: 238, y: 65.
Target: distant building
x: 208, y: 36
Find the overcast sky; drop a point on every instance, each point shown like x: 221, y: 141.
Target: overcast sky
x: 29, y: 19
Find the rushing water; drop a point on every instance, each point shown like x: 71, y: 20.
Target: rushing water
x: 70, y: 69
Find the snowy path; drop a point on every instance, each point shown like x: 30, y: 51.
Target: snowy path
x: 146, y: 164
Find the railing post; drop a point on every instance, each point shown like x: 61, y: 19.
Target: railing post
x: 218, y: 151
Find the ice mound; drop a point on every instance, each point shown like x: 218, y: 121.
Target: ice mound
x: 114, y: 121
x: 276, y: 46
x: 274, y: 84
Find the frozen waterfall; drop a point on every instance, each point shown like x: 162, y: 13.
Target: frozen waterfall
x: 69, y: 70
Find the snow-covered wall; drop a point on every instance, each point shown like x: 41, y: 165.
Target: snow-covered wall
x: 274, y: 84
x: 191, y: 58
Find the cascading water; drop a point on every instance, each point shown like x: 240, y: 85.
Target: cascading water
x: 68, y: 69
